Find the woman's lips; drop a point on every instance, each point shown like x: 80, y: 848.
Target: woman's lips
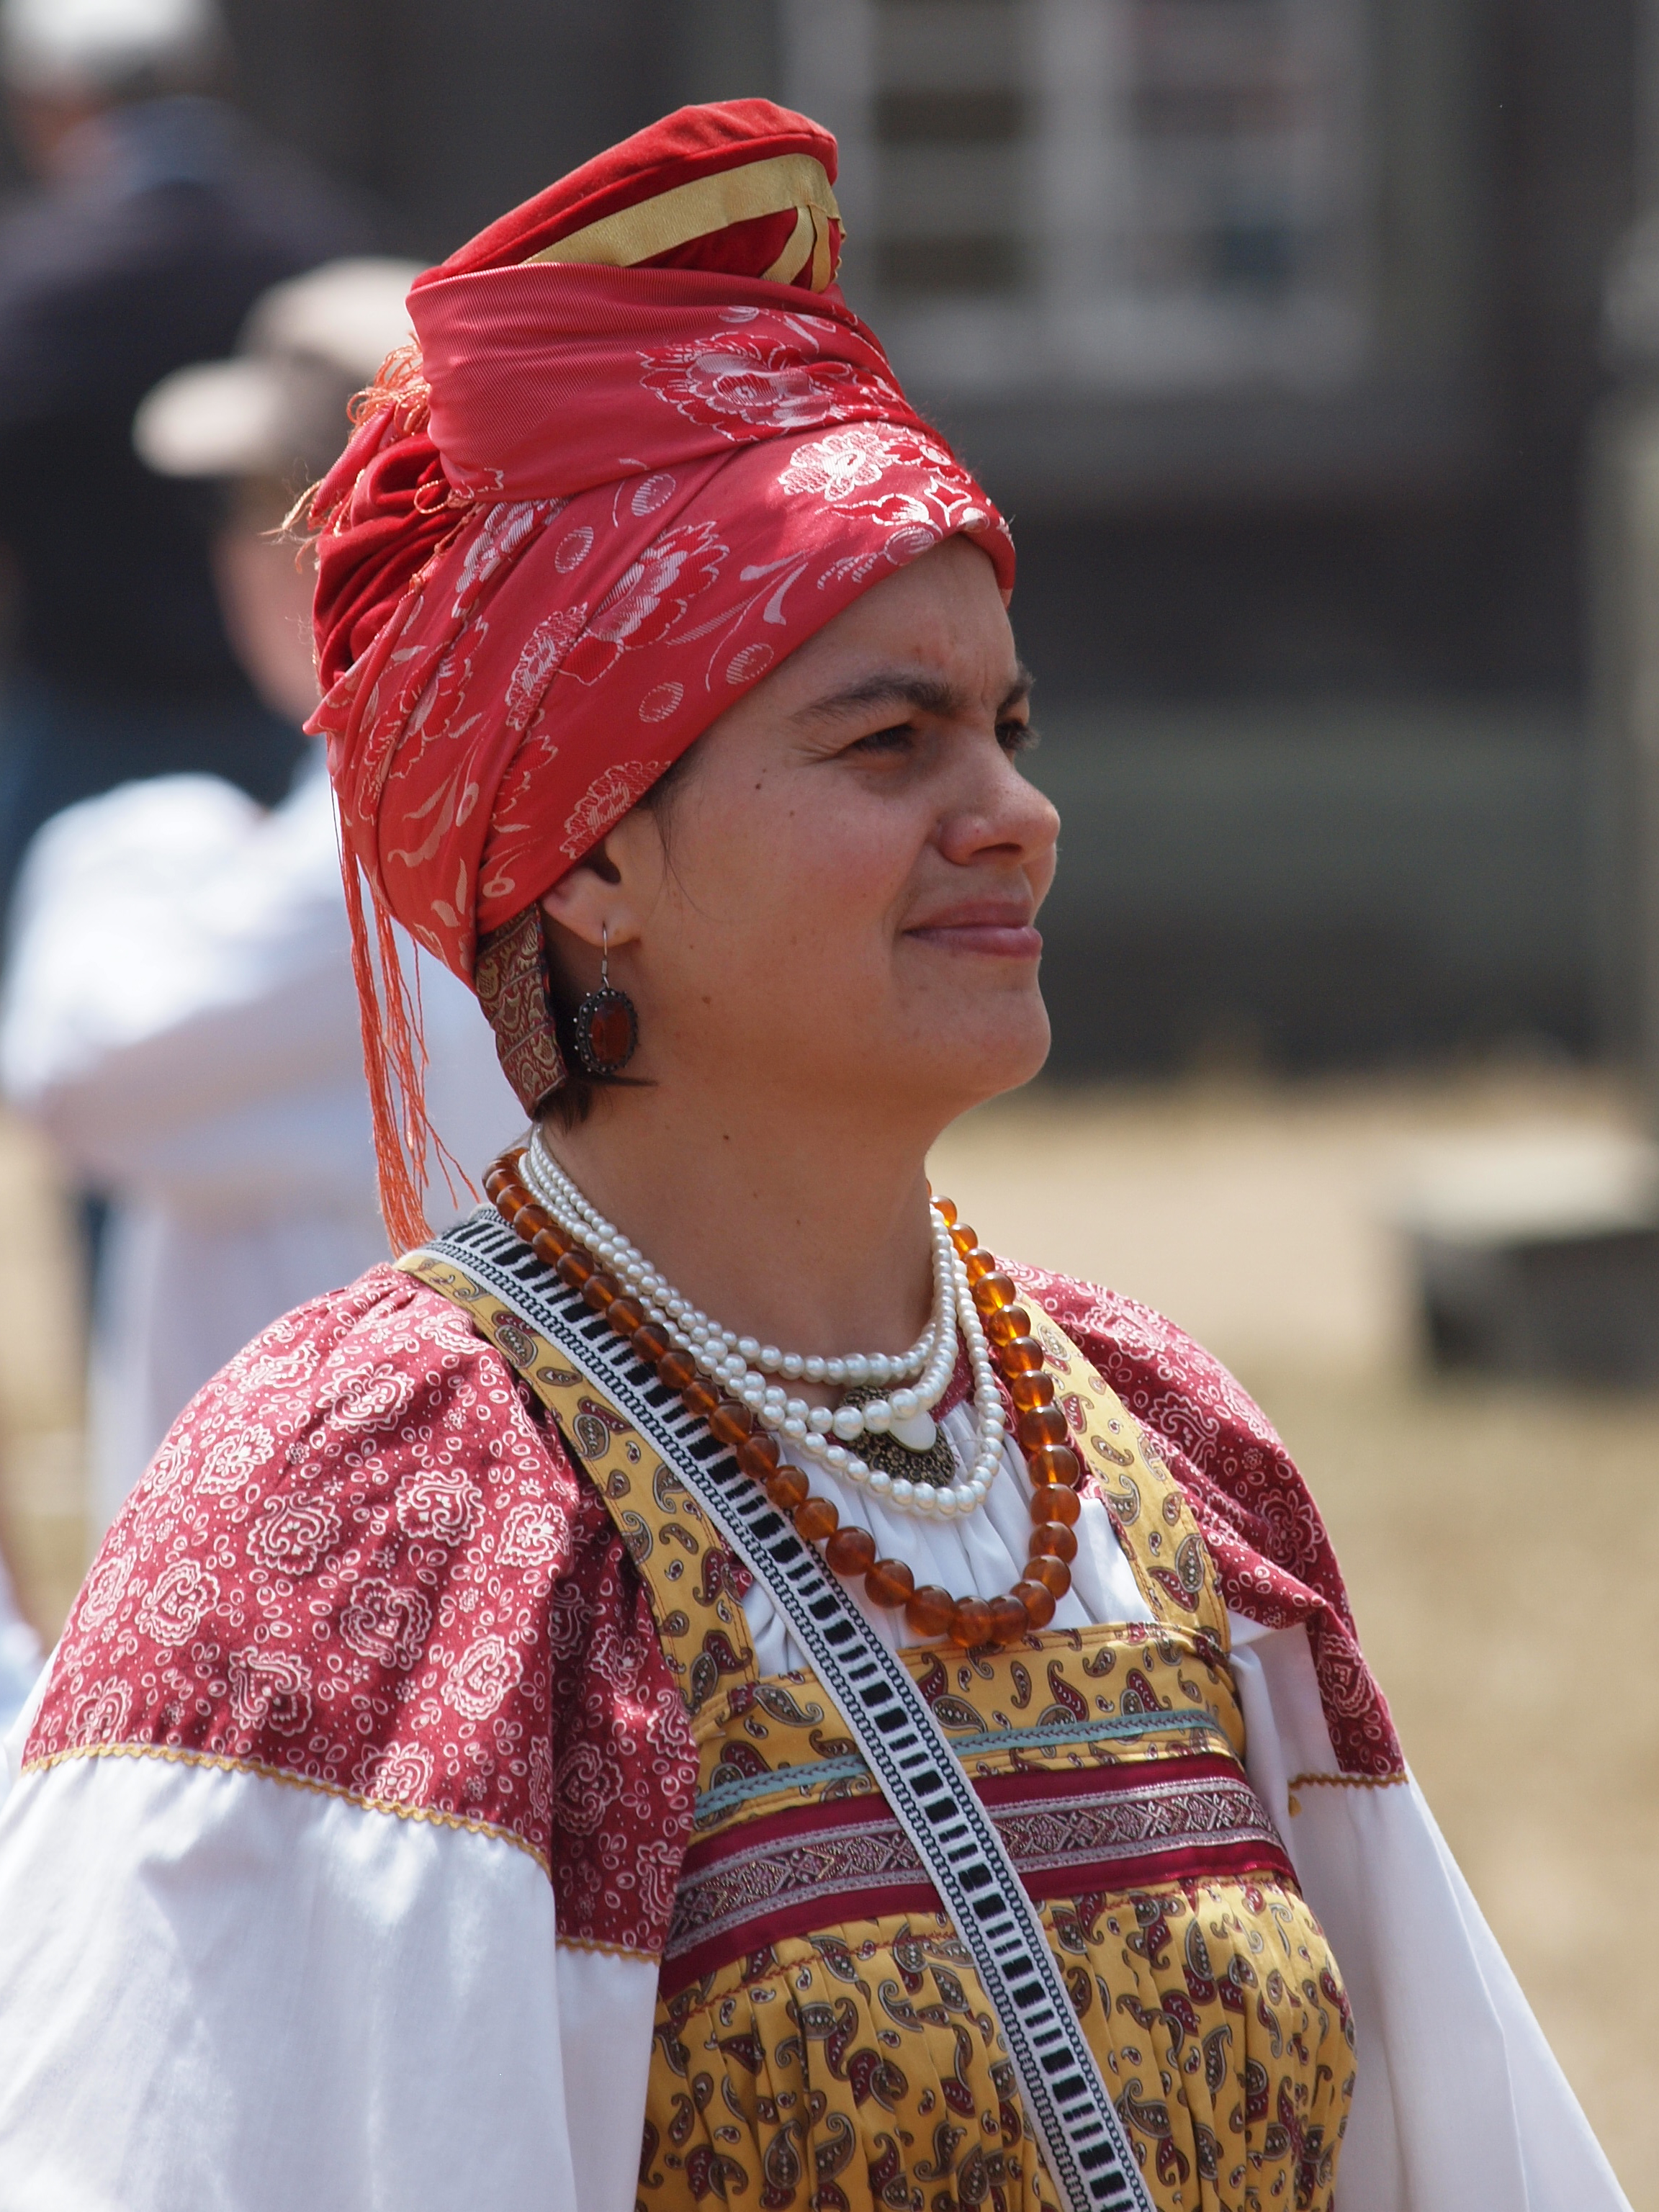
x: 1003, y: 940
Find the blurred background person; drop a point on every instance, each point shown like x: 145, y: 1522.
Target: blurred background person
x: 159, y: 215
x: 179, y: 1014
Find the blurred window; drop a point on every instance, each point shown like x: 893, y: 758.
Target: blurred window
x: 1119, y: 194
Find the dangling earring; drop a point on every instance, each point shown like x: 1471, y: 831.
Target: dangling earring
x: 607, y: 1027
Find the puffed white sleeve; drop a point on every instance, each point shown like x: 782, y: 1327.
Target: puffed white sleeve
x: 1458, y: 2099
x: 222, y: 1987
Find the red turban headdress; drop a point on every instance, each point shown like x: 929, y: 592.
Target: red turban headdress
x: 645, y: 451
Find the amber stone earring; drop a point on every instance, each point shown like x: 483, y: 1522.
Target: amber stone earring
x: 607, y: 1026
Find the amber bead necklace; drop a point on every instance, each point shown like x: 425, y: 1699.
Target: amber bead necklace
x: 743, y: 1366
x: 930, y: 1611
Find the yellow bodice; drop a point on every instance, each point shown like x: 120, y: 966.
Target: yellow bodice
x: 822, y: 2040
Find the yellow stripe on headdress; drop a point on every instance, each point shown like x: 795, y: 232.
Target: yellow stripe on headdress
x: 709, y: 203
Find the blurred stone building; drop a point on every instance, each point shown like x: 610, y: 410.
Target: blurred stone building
x: 1274, y: 324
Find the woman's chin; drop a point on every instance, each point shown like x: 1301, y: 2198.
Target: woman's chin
x: 976, y: 1060
x: 1015, y: 1068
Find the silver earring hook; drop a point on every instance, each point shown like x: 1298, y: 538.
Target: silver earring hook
x: 605, y: 957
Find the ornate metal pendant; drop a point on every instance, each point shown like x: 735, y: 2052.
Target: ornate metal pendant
x: 936, y: 1465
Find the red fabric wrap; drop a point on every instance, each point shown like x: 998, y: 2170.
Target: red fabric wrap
x: 608, y: 501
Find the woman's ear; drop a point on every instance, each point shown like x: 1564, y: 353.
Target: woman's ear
x: 610, y: 889
x: 581, y: 900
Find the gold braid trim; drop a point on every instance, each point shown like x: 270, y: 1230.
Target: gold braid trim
x: 230, y: 1766
x: 607, y: 1950
x: 1346, y: 1781
x: 709, y: 203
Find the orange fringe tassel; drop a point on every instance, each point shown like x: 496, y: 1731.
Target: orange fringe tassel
x: 395, y: 1063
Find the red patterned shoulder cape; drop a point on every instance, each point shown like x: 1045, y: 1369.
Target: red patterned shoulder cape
x: 364, y: 1563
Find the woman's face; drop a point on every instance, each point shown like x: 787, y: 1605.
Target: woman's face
x: 836, y: 906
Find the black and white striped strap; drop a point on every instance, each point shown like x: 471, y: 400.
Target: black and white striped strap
x: 1066, y: 2097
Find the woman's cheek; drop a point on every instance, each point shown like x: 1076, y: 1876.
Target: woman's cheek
x: 867, y: 856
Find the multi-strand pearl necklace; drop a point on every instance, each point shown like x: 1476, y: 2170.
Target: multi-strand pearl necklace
x: 744, y: 1367
x: 1043, y: 1432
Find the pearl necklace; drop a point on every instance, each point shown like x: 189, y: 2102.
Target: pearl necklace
x: 930, y: 1611
x: 741, y: 1364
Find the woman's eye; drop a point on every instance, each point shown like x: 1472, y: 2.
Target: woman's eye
x: 899, y: 738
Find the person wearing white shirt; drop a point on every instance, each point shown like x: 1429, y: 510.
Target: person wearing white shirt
x: 178, y: 1011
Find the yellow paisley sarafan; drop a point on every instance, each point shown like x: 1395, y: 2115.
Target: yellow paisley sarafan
x: 822, y: 2042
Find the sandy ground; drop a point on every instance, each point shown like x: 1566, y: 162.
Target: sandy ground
x: 43, y: 1523
x: 1501, y: 1541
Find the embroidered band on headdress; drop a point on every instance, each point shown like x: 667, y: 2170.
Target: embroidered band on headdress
x: 510, y: 977
x: 788, y: 184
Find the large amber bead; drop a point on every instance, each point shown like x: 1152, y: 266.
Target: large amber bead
x: 651, y: 1342
x: 1054, y: 1464
x: 994, y: 1292
x: 851, y: 1551
x: 1007, y: 1323
x: 701, y: 1397
x: 1054, y: 1574
x: 930, y: 1611
x: 1039, y: 1602
x: 758, y: 1455
x: 599, y: 1289
x: 972, y: 1625
x: 1022, y: 1356
x: 816, y: 1520
x: 1054, y: 1541
x: 788, y: 1487
x: 625, y: 1315
x: 1043, y: 1424
x: 577, y: 1266
x: 677, y: 1369
x: 729, y: 1421
x: 890, y: 1581
x: 1008, y: 1620
x: 1029, y: 1390
x: 1054, y: 1501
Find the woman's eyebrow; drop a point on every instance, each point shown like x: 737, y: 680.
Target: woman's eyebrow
x: 900, y: 687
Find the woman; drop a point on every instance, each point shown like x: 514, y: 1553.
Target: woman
x: 670, y: 698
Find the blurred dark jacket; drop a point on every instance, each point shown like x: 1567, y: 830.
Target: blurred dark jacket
x: 104, y: 288
x: 120, y: 663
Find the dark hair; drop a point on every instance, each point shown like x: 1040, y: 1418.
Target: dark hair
x: 570, y: 1105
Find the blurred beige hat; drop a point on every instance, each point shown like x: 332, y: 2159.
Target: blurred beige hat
x: 279, y: 409
x: 66, y: 48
